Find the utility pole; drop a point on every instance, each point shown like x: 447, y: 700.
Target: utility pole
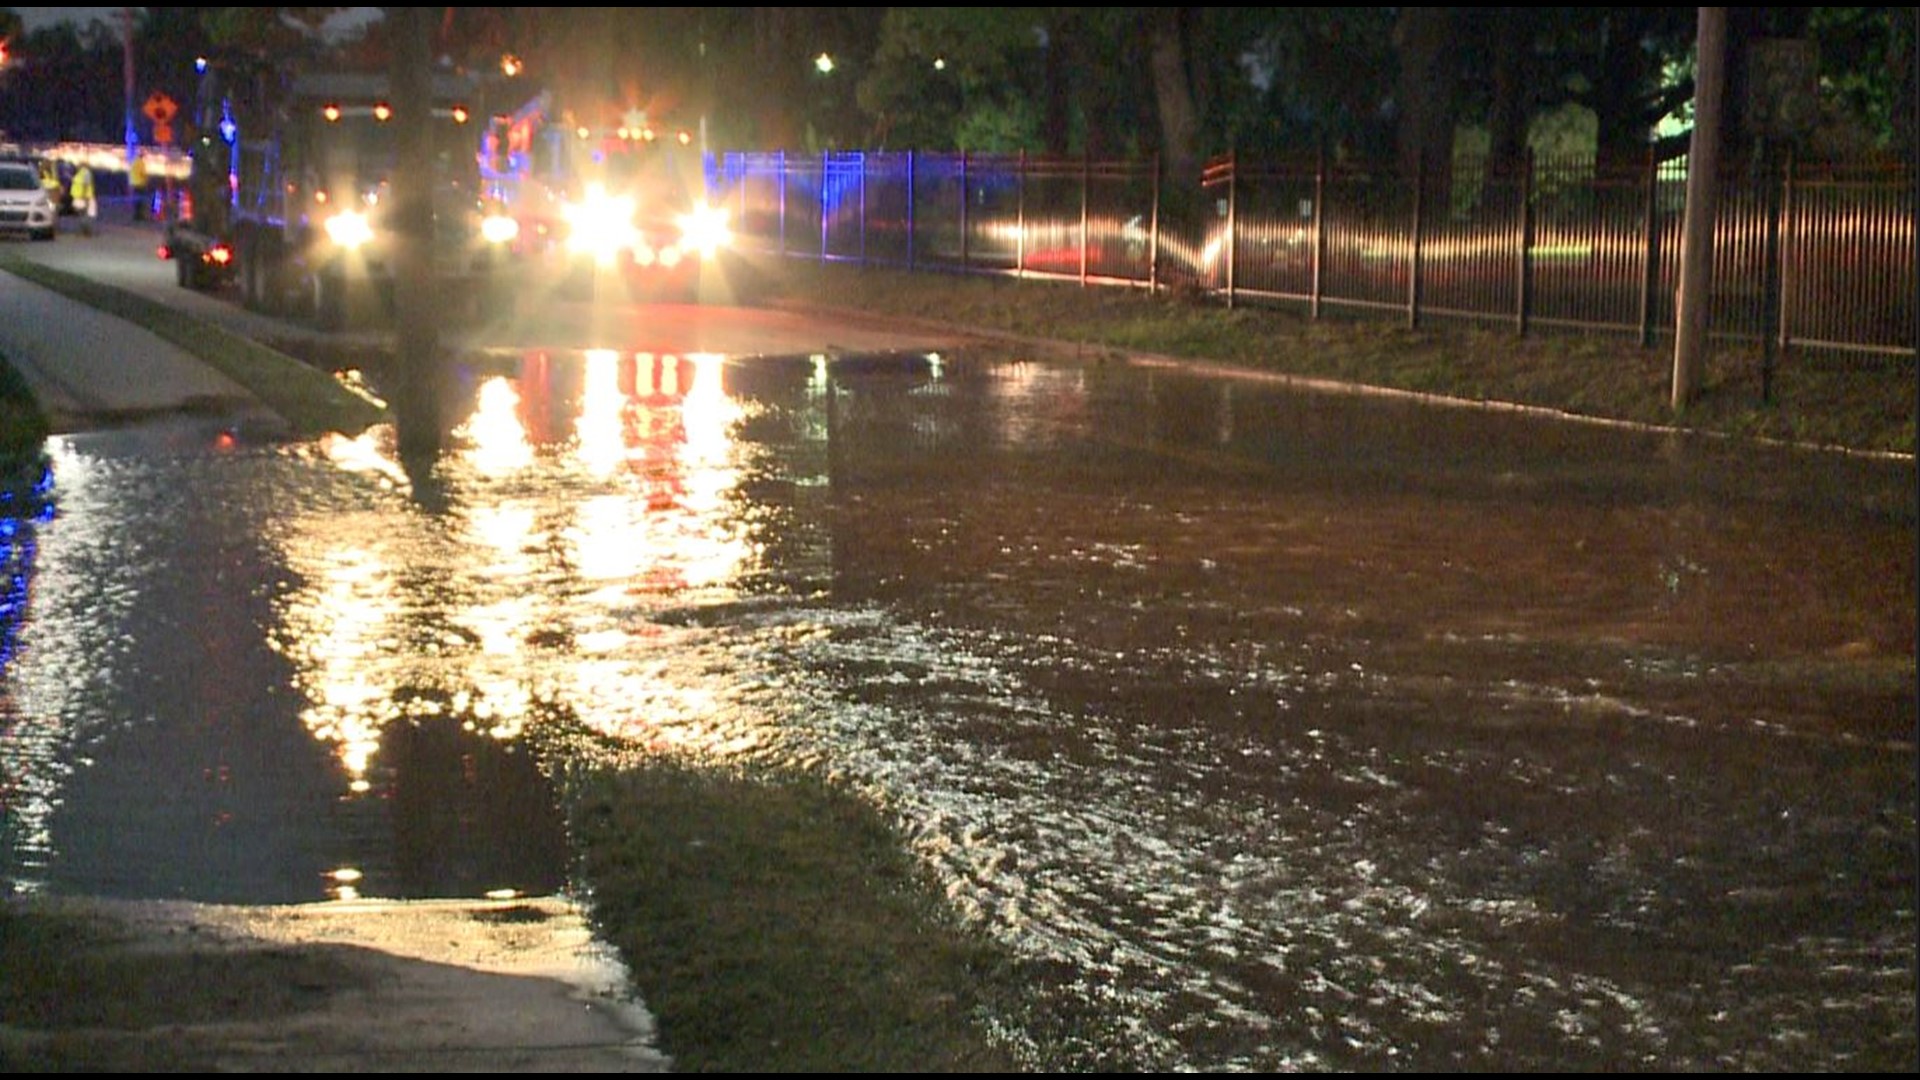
x: 131, y: 133
x: 417, y: 397
x: 1703, y: 180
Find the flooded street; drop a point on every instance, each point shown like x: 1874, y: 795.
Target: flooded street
x: 1290, y: 731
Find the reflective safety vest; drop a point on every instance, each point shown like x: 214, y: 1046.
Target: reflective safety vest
x: 83, y: 184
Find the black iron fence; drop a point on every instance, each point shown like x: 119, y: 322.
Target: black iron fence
x: 1805, y: 257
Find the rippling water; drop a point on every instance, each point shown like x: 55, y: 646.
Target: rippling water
x: 1290, y: 731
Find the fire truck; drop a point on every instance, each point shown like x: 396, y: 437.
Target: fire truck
x: 287, y: 198
x: 597, y: 199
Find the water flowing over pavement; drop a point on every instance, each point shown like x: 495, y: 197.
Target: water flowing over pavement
x: 1290, y: 730
x: 1294, y: 731
x: 455, y: 992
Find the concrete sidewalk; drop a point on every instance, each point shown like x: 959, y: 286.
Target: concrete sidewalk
x: 91, y: 370
x: 361, y: 987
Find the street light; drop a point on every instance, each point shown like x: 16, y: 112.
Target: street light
x: 823, y: 63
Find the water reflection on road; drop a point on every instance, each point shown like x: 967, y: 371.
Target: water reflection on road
x: 1294, y: 731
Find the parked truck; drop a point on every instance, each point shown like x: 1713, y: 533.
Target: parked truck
x: 604, y: 196
x: 287, y: 196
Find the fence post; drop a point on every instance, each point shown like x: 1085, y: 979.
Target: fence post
x: 1770, y: 274
x: 1525, y: 290
x: 963, y: 210
x: 1020, y: 218
x: 1413, y: 263
x: 1086, y: 180
x: 1233, y: 186
x: 1650, y: 247
x: 1153, y: 234
x: 1319, y: 228
x: 1786, y: 253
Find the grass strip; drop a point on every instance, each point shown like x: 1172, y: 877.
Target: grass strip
x: 779, y: 924
x: 1860, y: 403
x: 23, y: 427
x: 312, y: 401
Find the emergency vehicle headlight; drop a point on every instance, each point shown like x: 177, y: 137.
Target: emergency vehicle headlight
x: 498, y: 229
x: 349, y: 229
x: 705, y: 230
x: 601, y: 225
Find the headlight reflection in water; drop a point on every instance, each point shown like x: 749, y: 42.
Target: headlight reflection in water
x: 579, y: 492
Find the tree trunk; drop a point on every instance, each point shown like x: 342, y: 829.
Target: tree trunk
x: 1179, y: 118
x: 1055, y: 128
x: 1427, y: 86
x: 417, y: 394
x: 1617, y: 108
x: 1508, y: 112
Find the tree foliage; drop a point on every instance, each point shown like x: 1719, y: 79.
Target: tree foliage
x: 1373, y: 84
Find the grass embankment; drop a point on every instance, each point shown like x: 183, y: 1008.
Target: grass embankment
x: 312, y: 401
x: 778, y: 924
x: 1859, y: 403
x: 23, y: 427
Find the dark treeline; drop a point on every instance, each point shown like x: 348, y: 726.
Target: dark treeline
x: 1390, y: 85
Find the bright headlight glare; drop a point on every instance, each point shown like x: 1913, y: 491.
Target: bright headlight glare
x: 704, y: 229
x: 600, y: 225
x: 499, y: 229
x: 349, y: 229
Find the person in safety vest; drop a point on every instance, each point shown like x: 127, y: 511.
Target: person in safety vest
x: 50, y: 180
x: 84, y: 202
x: 137, y: 180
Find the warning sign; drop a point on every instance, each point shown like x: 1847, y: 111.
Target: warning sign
x: 160, y: 108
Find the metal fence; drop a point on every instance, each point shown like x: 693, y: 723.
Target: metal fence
x: 1805, y: 258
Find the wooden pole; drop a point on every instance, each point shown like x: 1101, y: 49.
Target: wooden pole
x: 1703, y: 176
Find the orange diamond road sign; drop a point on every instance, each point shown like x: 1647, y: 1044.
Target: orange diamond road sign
x: 163, y: 133
x: 160, y: 108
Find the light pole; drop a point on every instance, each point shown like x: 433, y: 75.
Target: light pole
x: 126, y: 42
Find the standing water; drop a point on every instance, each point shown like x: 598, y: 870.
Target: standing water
x: 1289, y: 731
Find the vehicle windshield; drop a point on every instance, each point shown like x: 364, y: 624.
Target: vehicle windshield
x: 18, y: 178
x: 360, y: 154
x: 662, y: 179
